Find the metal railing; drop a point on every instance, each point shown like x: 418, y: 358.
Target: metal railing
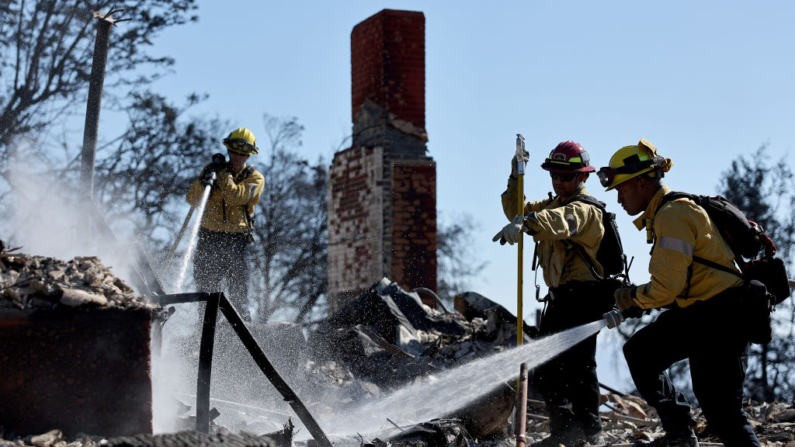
x: 216, y: 302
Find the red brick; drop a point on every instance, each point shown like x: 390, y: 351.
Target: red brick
x: 388, y: 64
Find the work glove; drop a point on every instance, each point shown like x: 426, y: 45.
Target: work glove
x: 217, y: 165
x: 208, y: 179
x: 511, y: 232
x: 525, y: 158
x: 626, y: 303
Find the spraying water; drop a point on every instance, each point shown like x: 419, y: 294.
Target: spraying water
x: 441, y: 395
x: 194, y: 231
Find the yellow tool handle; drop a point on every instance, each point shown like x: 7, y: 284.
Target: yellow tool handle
x: 520, y: 211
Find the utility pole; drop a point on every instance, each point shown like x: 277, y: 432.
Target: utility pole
x: 101, y: 46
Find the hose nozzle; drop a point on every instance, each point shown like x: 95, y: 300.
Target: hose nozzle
x: 613, y: 318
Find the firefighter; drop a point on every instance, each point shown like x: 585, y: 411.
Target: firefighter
x: 703, y: 311
x: 227, y: 223
x: 567, y: 235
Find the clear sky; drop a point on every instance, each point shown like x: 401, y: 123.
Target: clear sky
x: 704, y: 81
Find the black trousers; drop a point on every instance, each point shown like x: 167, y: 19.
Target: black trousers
x: 222, y: 256
x: 570, y: 378
x: 708, y: 334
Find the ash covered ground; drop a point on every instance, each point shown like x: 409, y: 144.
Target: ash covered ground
x: 385, y: 340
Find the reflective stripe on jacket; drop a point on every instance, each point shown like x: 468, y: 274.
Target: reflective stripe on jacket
x: 554, y: 224
x: 682, y: 230
x: 227, y: 206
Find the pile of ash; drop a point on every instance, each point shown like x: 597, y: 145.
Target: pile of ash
x: 39, y: 282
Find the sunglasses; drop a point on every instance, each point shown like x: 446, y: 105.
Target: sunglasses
x: 565, y: 177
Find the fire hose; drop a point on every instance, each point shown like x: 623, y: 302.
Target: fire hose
x: 615, y: 317
x: 217, y: 159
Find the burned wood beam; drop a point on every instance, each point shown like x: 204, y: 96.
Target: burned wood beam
x: 180, y: 298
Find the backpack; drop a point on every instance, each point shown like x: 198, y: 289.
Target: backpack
x: 766, y: 278
x: 610, y: 253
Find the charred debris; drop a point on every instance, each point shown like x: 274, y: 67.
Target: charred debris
x: 380, y: 341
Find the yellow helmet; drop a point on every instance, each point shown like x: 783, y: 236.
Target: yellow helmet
x: 241, y: 141
x: 633, y: 161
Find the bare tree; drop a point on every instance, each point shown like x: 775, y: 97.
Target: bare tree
x: 289, y: 257
x: 763, y: 190
x: 46, y: 50
x: 458, y: 263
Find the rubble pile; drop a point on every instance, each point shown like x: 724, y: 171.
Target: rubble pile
x: 223, y: 438
x: 377, y: 343
x: 630, y: 421
x: 39, y: 282
x: 389, y: 337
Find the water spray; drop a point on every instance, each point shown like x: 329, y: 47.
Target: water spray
x: 453, y: 389
x: 194, y: 232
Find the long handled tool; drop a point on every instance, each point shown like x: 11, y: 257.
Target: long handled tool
x: 520, y: 272
x: 173, y: 250
x: 519, y: 212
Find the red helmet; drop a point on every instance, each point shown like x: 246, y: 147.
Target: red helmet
x: 568, y: 156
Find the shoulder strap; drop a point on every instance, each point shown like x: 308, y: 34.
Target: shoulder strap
x: 671, y: 196
x: 715, y: 265
x: 698, y: 200
x: 676, y: 195
x: 246, y: 209
x: 590, y: 200
x: 245, y: 173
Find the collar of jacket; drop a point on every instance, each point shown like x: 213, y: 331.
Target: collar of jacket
x: 652, y: 208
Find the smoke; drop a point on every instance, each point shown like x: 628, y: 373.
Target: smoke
x: 45, y: 215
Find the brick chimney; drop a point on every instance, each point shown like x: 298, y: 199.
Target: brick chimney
x: 382, y: 190
x: 388, y: 64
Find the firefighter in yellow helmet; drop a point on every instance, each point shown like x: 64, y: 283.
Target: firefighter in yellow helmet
x: 227, y: 224
x: 702, y: 304
x: 568, y: 233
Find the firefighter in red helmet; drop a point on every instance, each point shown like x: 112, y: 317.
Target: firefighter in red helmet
x: 568, y: 230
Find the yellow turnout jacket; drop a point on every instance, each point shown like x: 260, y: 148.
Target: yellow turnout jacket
x: 682, y: 230
x: 555, y: 226
x: 230, y: 206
